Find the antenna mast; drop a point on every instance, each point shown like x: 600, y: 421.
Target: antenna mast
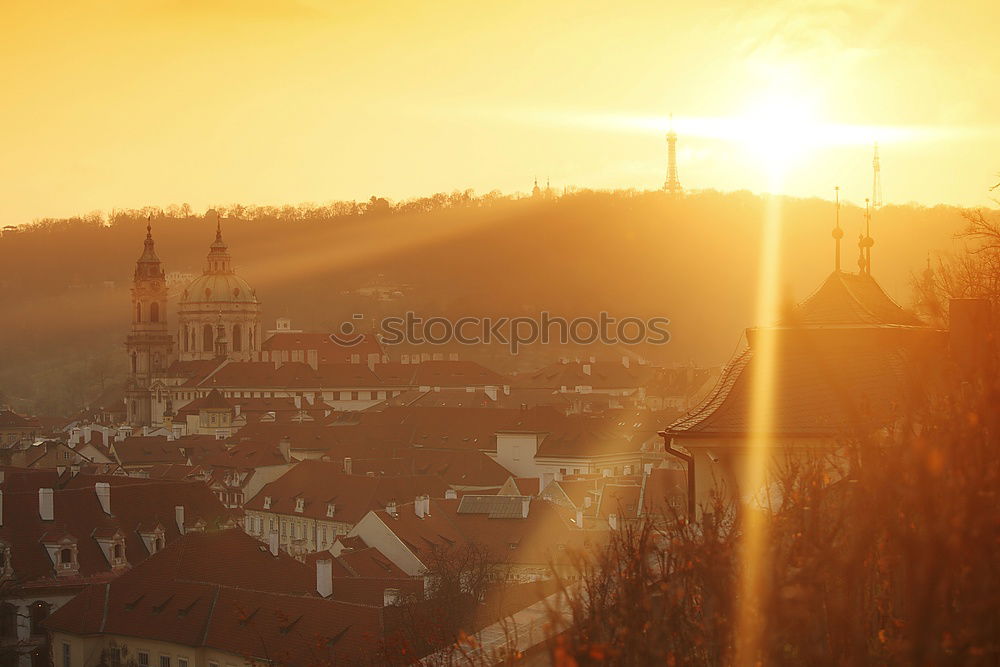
x: 672, y: 185
x: 876, y: 181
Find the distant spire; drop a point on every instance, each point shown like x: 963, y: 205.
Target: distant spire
x: 837, y: 233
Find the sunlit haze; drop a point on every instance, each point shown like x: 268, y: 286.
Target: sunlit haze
x: 126, y: 104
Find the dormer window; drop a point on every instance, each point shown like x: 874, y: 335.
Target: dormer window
x: 153, y: 538
x: 300, y: 505
x: 330, y: 509
x: 267, y: 502
x: 64, y: 556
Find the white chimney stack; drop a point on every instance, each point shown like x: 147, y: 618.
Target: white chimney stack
x: 625, y: 361
x: 272, y: 542
x: 450, y: 494
x: 285, y: 447
x: 45, y: 509
x: 347, y: 465
x: 179, y: 518
x: 525, y: 505
x: 324, y: 578
x: 586, y: 369
x: 579, y: 518
x: 390, y: 508
x: 103, y: 490
x: 613, y: 521
x: 418, y: 507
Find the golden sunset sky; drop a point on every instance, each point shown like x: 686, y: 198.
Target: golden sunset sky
x: 124, y: 104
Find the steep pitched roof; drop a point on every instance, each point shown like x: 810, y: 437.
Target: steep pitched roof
x: 189, y: 595
x: 844, y: 361
x: 78, y: 511
x: 850, y: 299
x: 320, y: 482
x: 541, y: 538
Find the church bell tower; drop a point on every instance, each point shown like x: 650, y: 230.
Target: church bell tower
x: 150, y: 345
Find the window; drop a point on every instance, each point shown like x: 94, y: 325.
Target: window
x: 330, y: 509
x: 237, y: 338
x: 206, y: 338
x: 300, y: 504
x: 182, y: 662
x: 138, y: 312
x: 66, y: 661
x: 143, y: 657
x: 66, y: 556
x: 164, y: 661
x: 118, y: 551
x: 115, y: 656
x: 154, y: 312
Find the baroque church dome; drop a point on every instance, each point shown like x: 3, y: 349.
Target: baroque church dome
x: 218, y: 288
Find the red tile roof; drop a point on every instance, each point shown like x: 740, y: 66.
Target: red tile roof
x: 190, y: 594
x: 77, y: 510
x: 543, y: 538
x: 353, y: 496
x: 571, y: 374
x: 327, y: 349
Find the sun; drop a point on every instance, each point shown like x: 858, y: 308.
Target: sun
x: 778, y: 129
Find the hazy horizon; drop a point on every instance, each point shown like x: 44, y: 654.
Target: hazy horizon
x: 154, y: 103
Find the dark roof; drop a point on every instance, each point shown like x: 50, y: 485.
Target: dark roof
x: 849, y: 299
x: 77, y: 511
x: 191, y: 594
x: 10, y: 419
x: 845, y: 360
x: 320, y: 482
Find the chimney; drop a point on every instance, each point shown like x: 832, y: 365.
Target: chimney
x: 285, y: 447
x: 45, y: 510
x: 272, y: 542
x: 418, y: 507
x: 237, y: 409
x: 613, y: 521
x: 348, y: 465
x: 587, y: 501
x: 525, y: 505
x: 579, y: 518
x: 625, y: 361
x: 324, y: 578
x: 647, y: 469
x: 593, y: 360
x: 969, y: 335
x: 298, y: 402
x: 179, y: 518
x: 103, y: 490
x: 390, y: 508
x: 450, y: 494
x: 586, y: 369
